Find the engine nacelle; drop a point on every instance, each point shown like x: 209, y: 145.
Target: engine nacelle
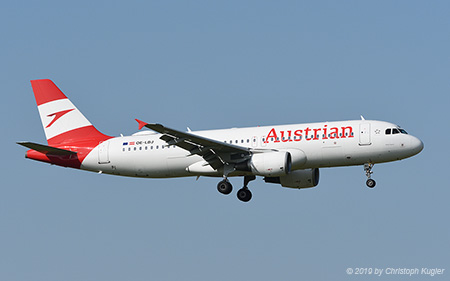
x: 268, y: 164
x: 298, y: 158
x: 297, y: 179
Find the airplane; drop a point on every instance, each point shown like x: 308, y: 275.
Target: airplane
x: 288, y: 155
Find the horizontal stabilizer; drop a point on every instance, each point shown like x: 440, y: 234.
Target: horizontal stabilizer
x: 46, y: 149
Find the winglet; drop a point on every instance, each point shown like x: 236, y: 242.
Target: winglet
x: 141, y: 123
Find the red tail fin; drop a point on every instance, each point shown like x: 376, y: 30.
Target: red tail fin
x: 62, y: 121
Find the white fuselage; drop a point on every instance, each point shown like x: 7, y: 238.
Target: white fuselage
x: 326, y: 144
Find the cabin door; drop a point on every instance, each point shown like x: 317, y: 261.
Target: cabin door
x: 364, y: 134
x: 103, y: 153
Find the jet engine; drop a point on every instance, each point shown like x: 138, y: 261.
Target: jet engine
x: 297, y: 179
x: 269, y: 164
x: 298, y: 157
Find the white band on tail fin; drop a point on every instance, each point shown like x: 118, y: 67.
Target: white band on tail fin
x: 61, y: 116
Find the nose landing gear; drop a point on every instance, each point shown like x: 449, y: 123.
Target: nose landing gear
x: 368, y: 169
x: 371, y: 183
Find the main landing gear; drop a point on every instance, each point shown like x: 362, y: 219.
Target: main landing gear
x: 224, y: 187
x: 243, y: 194
x: 368, y: 169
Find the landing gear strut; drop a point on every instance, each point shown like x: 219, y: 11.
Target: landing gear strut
x: 244, y: 194
x: 368, y: 169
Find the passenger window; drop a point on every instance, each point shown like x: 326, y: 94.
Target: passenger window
x: 388, y: 131
x: 395, y: 131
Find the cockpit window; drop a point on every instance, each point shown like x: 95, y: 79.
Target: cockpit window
x: 395, y: 131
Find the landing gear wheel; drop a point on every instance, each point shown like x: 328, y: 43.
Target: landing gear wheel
x: 224, y: 187
x: 368, y: 169
x: 371, y: 183
x: 244, y: 194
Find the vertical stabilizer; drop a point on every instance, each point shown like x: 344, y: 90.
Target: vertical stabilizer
x: 62, y: 121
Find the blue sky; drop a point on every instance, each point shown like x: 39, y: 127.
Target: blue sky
x: 208, y: 65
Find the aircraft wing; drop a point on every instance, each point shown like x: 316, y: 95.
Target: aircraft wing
x: 216, y: 153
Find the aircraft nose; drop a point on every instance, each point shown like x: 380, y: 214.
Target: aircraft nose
x: 416, y: 145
